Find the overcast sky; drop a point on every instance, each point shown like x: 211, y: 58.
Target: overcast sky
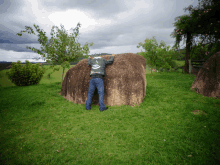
x: 114, y: 26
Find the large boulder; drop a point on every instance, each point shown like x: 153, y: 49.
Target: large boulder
x: 124, y: 81
x: 207, y: 80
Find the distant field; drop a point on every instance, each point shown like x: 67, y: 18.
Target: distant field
x: 4, y: 81
x: 39, y: 126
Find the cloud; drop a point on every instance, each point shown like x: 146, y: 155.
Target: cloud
x: 114, y: 26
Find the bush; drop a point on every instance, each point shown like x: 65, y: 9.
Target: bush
x: 26, y: 75
x: 173, y: 66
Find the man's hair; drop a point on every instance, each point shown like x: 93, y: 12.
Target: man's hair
x: 95, y: 55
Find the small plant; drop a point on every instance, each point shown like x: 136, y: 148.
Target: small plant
x: 48, y: 75
x: 25, y: 75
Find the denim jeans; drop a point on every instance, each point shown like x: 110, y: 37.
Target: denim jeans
x: 95, y: 83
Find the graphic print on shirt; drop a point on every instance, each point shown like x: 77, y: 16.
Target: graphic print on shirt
x: 96, y: 66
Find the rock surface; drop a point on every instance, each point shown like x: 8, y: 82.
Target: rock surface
x: 207, y: 80
x: 124, y: 81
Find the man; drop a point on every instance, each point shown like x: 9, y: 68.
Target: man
x: 96, y: 81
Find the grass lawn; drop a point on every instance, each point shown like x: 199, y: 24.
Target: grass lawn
x: 38, y: 126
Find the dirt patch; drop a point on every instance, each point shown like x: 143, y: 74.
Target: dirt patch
x: 198, y: 112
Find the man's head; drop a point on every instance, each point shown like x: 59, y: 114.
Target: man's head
x: 96, y: 55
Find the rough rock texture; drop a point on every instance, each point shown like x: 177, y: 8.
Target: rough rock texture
x: 124, y: 81
x: 207, y: 80
x: 195, y: 71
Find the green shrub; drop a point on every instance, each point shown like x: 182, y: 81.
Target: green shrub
x: 172, y: 66
x: 26, y: 75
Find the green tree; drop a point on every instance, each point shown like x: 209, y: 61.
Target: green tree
x: 188, y: 26
x: 208, y: 24
x: 158, y: 55
x: 56, y: 49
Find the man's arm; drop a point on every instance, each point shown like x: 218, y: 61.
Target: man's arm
x: 89, y: 60
x: 111, y: 60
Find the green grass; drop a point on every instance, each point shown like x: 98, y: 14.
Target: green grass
x: 38, y: 126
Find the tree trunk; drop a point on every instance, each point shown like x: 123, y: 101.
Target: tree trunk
x: 187, y: 55
x: 62, y: 77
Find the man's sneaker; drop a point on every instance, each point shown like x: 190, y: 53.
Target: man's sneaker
x: 104, y: 109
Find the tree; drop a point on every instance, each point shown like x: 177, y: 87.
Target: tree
x: 210, y: 24
x: 205, y: 17
x: 187, y: 25
x: 55, y: 49
x: 157, y: 56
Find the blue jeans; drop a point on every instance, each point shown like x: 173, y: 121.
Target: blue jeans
x: 98, y: 83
